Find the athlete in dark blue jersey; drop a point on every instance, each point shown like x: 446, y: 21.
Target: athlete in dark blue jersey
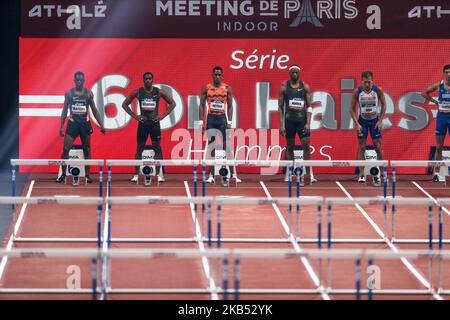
x: 149, y: 118
x: 78, y: 100
x: 443, y: 116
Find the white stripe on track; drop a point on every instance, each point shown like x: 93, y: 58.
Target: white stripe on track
x: 16, y: 230
x: 296, y: 246
x: 431, y: 197
x: 201, y: 246
x: 405, y: 261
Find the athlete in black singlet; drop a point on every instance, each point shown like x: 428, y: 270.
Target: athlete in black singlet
x: 78, y: 100
x: 294, y: 108
x: 149, y: 119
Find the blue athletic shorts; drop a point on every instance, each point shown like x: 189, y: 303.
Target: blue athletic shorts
x: 443, y: 123
x: 369, y: 126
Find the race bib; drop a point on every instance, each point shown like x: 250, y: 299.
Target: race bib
x: 148, y: 104
x: 217, y: 106
x: 79, y: 109
x: 296, y: 104
x: 368, y: 110
x: 444, y: 106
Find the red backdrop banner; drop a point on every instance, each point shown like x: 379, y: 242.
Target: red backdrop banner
x: 254, y: 68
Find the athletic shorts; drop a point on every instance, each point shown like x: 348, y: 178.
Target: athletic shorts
x: 295, y: 127
x: 148, y: 128
x: 369, y: 126
x: 219, y: 123
x: 443, y: 123
x: 82, y: 129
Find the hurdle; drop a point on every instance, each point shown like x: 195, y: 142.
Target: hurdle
x: 160, y: 163
x: 51, y: 201
x: 293, y: 233
x: 372, y: 254
x: 242, y: 254
x: 384, y: 202
x: 54, y: 162
x: 101, y: 287
x: 152, y: 200
x: 357, y: 255
x: 399, y: 164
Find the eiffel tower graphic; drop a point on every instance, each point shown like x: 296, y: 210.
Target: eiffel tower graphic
x: 305, y: 15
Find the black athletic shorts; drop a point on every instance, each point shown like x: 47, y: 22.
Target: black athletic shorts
x: 219, y: 123
x: 148, y: 128
x: 295, y: 127
x: 82, y: 129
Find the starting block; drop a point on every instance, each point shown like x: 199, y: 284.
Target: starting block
x: 74, y: 173
x: 220, y: 170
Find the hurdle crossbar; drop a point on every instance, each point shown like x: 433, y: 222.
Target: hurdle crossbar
x: 110, y: 201
x: 97, y: 201
x: 384, y: 202
x: 300, y: 201
x: 97, y: 255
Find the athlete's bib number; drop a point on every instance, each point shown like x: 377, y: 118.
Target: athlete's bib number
x: 295, y: 104
x: 148, y: 105
x: 217, y: 106
x: 369, y: 110
x: 79, y: 109
x: 444, y: 106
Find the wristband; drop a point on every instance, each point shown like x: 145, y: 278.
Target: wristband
x: 230, y: 122
x: 309, y: 109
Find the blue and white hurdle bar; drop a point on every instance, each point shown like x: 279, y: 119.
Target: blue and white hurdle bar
x: 358, y: 255
x: 97, y: 201
x: 55, y: 162
x: 429, y: 203
x: 155, y: 200
x: 227, y: 258
x: 384, y: 202
x: 291, y: 167
x: 408, y: 164
x: 293, y: 233
x: 160, y: 163
x: 100, y: 287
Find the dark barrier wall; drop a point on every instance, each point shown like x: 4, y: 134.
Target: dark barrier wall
x: 9, y: 89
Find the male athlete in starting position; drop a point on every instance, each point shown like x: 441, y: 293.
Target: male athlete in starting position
x: 78, y: 100
x: 149, y: 119
x: 219, y: 99
x: 294, y: 110
x: 368, y: 96
x: 443, y: 116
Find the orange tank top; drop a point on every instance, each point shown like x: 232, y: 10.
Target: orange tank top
x: 216, y: 98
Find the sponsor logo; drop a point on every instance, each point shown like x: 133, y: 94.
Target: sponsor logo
x: 73, y: 13
x: 242, y: 16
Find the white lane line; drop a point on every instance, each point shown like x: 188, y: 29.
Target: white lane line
x: 16, y: 230
x: 431, y: 197
x: 201, y: 246
x: 296, y: 246
x: 405, y: 261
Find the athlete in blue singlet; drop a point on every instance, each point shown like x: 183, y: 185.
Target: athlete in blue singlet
x: 78, y: 101
x: 443, y: 116
x: 369, y: 98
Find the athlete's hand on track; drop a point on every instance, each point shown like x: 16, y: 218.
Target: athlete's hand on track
x: 61, y: 132
x: 282, y: 132
x: 358, y: 128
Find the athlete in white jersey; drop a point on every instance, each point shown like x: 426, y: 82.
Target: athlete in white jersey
x: 369, y: 98
x: 443, y: 116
